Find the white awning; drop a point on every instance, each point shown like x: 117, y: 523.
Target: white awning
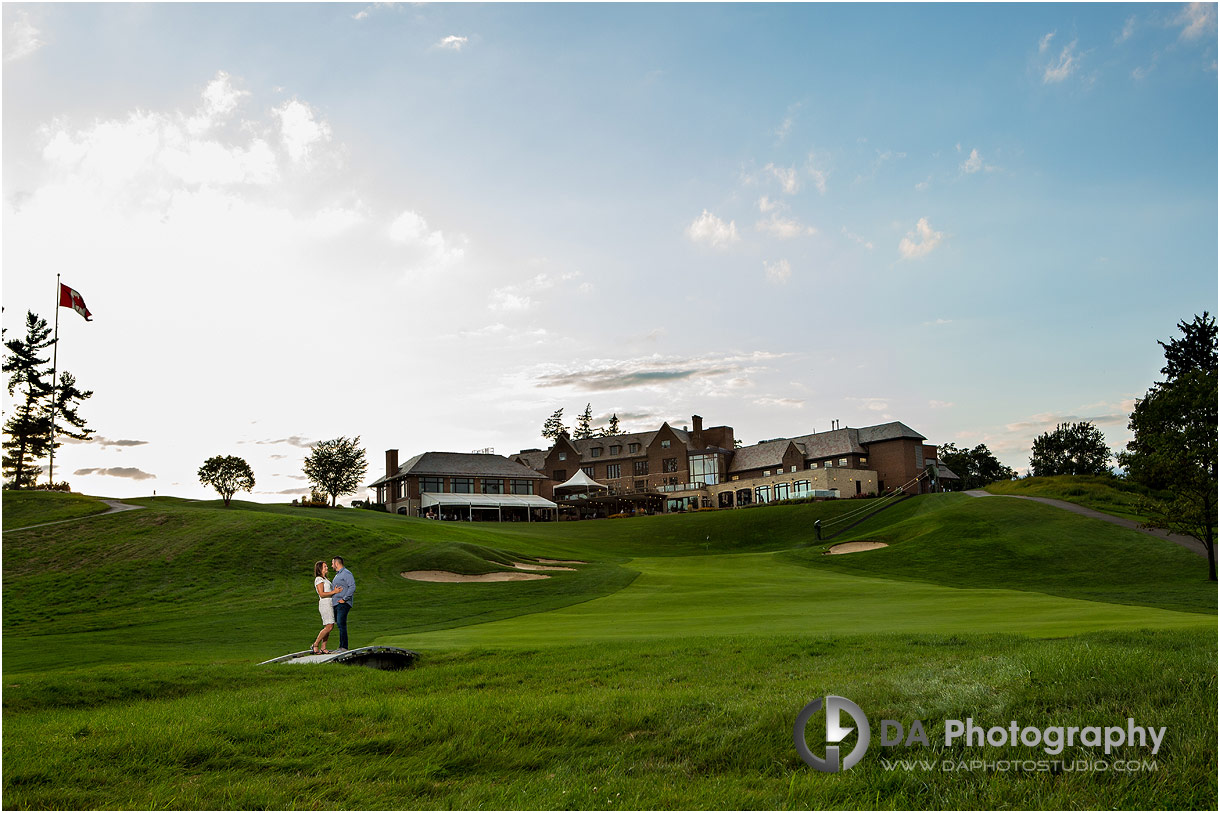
x: 580, y: 480
x: 429, y: 498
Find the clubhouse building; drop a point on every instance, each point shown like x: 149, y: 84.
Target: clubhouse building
x: 665, y: 470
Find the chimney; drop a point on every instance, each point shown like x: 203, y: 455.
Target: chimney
x: 391, y: 462
x: 696, y: 435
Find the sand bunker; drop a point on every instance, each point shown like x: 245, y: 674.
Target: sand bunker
x: 561, y: 561
x: 446, y: 576
x: 527, y: 566
x: 856, y: 547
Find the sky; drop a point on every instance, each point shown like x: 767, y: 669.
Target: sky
x: 432, y: 225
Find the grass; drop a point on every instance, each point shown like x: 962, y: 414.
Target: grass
x: 664, y: 673
x: 22, y: 508
x: 1110, y: 495
x: 961, y: 541
x: 703, y: 724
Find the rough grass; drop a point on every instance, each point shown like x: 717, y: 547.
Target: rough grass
x: 660, y: 725
x: 1110, y: 495
x: 1021, y: 545
x: 22, y: 508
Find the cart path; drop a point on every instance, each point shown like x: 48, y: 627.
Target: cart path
x: 115, y: 507
x: 1189, y: 542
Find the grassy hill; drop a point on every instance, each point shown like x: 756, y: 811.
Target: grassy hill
x: 22, y: 508
x: 1109, y: 495
x: 665, y: 673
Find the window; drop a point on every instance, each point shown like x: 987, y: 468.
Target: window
x: 763, y: 494
x: 434, y: 485
x: 864, y: 461
x: 563, y: 455
x: 744, y: 496
x: 736, y: 477
x: 462, y: 485
x: 638, y: 484
x: 639, y: 467
x: 596, y: 451
x: 560, y: 475
x: 669, y: 464
x: 704, y: 468
x: 493, y: 486
x: 522, y: 486
x: 665, y: 444
x: 781, y: 491
x: 399, y: 488
x: 793, y: 470
x: 813, y: 465
x: 587, y: 470
x: 842, y: 461
x: 615, y: 449
x: 830, y: 464
x: 919, y: 457
x: 633, y: 448
x: 614, y: 471
x: 802, y: 488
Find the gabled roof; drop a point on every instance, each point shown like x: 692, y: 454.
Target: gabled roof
x: 761, y: 455
x: 888, y: 431
x: 462, y: 464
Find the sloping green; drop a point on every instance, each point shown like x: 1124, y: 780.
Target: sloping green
x: 23, y: 508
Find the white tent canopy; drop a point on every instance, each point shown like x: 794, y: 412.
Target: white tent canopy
x: 428, y: 498
x: 580, y: 480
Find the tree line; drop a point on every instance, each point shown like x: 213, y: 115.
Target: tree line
x: 554, y: 428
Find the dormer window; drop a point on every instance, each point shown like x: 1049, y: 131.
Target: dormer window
x: 596, y: 451
x: 633, y: 448
x: 615, y: 449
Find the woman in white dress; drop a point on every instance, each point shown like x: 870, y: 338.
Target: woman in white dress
x: 321, y: 586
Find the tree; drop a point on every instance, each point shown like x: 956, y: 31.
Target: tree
x: 1073, y: 448
x: 612, y: 429
x: 976, y: 467
x: 28, y: 428
x: 337, y: 467
x: 62, y: 415
x: 228, y: 475
x: 584, y: 424
x: 1175, y: 438
x: 554, y: 428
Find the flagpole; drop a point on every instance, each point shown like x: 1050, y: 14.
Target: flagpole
x: 54, y: 379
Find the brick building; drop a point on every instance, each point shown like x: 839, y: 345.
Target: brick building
x: 463, y: 486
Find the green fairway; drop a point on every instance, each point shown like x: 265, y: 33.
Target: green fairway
x: 665, y: 671
x: 22, y: 508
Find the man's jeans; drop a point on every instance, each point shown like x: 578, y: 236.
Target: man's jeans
x: 341, y: 611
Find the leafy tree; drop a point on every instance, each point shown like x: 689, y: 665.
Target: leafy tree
x: 228, y: 475
x: 554, y: 428
x: 337, y: 467
x: 584, y: 424
x: 976, y: 467
x: 1073, y: 448
x: 1175, y: 438
x: 28, y: 428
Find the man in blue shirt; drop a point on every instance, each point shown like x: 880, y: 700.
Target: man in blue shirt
x: 342, y: 601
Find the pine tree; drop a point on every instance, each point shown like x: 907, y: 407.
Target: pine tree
x: 584, y: 424
x: 28, y: 428
x: 613, y: 429
x: 554, y: 428
x: 67, y: 399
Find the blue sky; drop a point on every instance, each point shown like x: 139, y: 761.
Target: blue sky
x: 431, y: 225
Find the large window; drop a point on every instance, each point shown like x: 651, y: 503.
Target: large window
x: 435, y: 485
x: 762, y: 494
x: 744, y: 496
x: 462, y: 485
x: 802, y: 488
x: 587, y: 470
x: 781, y: 491
x: 639, y: 467
x: 493, y: 486
x: 614, y: 471
x: 704, y: 468
x: 669, y: 464
x: 522, y: 486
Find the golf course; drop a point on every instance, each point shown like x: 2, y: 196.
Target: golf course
x: 659, y: 662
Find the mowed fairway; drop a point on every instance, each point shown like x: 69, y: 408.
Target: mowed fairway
x: 665, y: 672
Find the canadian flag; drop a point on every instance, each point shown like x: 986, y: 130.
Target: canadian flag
x: 71, y: 299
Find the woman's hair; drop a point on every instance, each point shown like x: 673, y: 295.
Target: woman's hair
x: 317, y: 568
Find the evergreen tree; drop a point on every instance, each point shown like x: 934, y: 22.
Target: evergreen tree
x: 584, y: 424
x: 554, y: 428
x: 28, y: 428
x: 612, y: 429
x: 62, y: 409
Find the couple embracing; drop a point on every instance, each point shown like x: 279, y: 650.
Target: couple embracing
x: 334, y: 602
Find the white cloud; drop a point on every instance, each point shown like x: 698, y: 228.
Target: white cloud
x: 453, y: 42
x: 857, y: 238
x: 1128, y: 30
x: 707, y: 228
x: 507, y: 299
x: 784, y: 228
x: 778, y: 272
x: 765, y: 204
x: 21, y: 38
x: 972, y: 164
x: 922, y: 185
x: 790, y: 403
x: 1067, y: 63
x: 786, y: 176
x: 938, y: 322
x: 927, y: 240
x: 1043, y: 44
x: 940, y: 404
x: 299, y: 130
x: 817, y: 170
x: 1196, y: 20
x: 367, y: 10
x: 411, y: 229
